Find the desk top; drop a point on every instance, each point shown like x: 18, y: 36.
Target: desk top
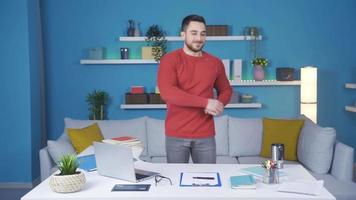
x: 99, y: 187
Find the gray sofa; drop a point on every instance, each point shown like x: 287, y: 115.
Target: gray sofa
x: 238, y: 141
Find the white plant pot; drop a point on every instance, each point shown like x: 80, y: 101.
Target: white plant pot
x: 67, y: 183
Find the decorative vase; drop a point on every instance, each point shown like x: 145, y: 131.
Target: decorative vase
x: 271, y: 176
x: 258, y: 73
x: 67, y: 183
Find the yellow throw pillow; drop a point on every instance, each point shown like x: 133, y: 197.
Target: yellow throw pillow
x: 84, y: 137
x: 281, y: 131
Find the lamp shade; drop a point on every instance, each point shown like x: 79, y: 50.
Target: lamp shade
x: 308, y: 87
x: 308, y: 92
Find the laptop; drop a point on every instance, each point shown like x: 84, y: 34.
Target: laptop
x: 117, y: 161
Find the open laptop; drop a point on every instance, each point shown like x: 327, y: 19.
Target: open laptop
x: 117, y: 161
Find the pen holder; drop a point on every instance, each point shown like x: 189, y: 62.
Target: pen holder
x: 271, y: 176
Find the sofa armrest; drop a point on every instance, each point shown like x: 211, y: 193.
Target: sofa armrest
x: 342, y: 166
x: 46, y: 163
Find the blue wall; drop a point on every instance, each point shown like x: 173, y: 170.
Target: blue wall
x: 296, y: 33
x: 19, y: 120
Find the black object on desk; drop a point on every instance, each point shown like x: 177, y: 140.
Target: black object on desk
x: 206, y: 178
x: 131, y: 187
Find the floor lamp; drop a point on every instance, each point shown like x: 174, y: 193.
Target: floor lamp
x: 308, y: 92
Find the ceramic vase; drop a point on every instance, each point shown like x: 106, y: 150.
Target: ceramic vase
x: 258, y: 73
x: 67, y: 183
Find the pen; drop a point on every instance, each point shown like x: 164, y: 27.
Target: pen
x: 206, y: 178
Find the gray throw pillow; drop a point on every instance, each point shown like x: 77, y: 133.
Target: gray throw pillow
x: 58, y: 148
x: 316, y: 146
x: 245, y: 136
x: 156, y: 137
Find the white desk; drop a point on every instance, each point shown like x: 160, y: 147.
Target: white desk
x: 99, y: 187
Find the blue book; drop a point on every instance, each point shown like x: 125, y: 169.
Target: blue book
x: 243, y: 181
x: 87, y: 163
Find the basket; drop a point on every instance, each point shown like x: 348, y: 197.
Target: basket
x: 67, y: 183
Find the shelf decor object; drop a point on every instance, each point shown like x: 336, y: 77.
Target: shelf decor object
x: 308, y: 92
x: 351, y: 108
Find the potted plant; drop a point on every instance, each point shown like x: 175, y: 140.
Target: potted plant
x: 156, y: 43
x: 69, y: 179
x: 97, y: 101
x: 258, y: 68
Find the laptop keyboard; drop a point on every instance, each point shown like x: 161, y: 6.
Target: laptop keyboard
x: 141, y: 176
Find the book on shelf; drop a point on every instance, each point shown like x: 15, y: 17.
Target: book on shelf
x: 243, y: 182
x: 259, y: 171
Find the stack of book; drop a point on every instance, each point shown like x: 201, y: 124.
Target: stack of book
x: 124, y: 140
x: 132, y: 142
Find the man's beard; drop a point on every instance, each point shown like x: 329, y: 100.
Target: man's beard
x: 192, y: 48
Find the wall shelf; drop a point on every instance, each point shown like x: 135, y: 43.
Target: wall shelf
x: 208, y: 38
x: 118, y: 61
x: 163, y: 106
x: 350, y: 108
x: 350, y: 85
x: 263, y: 83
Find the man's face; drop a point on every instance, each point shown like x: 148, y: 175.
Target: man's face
x: 195, y: 36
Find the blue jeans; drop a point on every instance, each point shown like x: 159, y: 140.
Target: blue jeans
x: 202, y: 150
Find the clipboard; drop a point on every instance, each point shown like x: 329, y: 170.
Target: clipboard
x: 200, y: 179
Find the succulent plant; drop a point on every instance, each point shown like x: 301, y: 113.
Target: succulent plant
x: 68, y: 164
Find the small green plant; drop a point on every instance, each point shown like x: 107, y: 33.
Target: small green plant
x: 68, y: 164
x: 97, y: 101
x: 155, y: 37
x: 260, y: 61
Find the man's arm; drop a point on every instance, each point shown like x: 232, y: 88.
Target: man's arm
x: 222, y: 85
x: 169, y: 90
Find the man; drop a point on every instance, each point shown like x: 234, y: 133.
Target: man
x: 186, y: 80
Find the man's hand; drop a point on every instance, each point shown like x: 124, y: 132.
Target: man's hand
x: 214, y: 107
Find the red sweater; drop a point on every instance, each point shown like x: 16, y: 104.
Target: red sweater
x: 186, y: 83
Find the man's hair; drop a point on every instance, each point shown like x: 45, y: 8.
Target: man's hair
x: 191, y: 18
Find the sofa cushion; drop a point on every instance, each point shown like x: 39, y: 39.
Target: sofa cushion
x: 283, y: 131
x: 82, y: 138
x: 245, y: 136
x: 115, y: 128
x: 341, y: 190
x: 59, y: 148
x: 315, y: 147
x: 156, y: 137
x: 221, y: 135
x: 226, y: 160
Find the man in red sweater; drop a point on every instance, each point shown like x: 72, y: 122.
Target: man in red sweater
x: 186, y: 80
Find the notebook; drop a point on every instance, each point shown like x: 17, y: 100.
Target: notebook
x: 302, y: 187
x: 117, y: 161
x: 243, y: 182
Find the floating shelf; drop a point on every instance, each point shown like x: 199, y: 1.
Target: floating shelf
x: 350, y: 85
x: 263, y: 83
x: 127, y: 61
x: 163, y: 106
x: 208, y: 38
x: 350, y: 108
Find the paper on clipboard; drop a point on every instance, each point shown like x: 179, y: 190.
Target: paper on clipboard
x: 200, y: 179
